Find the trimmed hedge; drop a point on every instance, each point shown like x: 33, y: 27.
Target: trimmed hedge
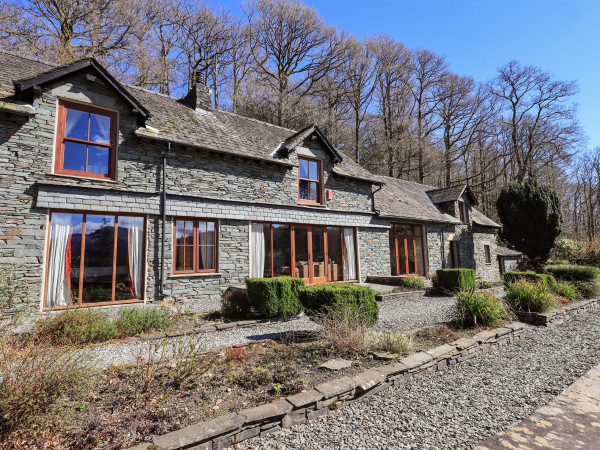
x: 584, y: 278
x: 359, y: 301
x: 455, y: 279
x: 275, y: 297
x: 511, y: 277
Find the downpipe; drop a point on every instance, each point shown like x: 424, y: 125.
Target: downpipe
x: 164, y: 221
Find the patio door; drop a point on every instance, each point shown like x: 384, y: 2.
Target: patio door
x: 309, y: 253
x: 407, y: 249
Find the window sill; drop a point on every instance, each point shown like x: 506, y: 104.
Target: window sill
x: 312, y: 205
x: 196, y: 275
x: 77, y: 177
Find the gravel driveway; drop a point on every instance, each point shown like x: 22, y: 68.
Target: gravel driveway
x: 460, y: 407
x: 415, y: 312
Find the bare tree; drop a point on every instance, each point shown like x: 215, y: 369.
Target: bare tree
x: 291, y: 46
x: 538, y: 116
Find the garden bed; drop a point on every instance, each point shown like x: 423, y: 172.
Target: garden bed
x: 558, y: 315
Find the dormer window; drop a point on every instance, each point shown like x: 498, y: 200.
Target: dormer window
x: 86, y: 141
x: 464, y: 214
x: 310, y: 180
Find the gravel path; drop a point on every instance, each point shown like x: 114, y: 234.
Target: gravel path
x: 460, y: 407
x: 105, y: 355
x: 406, y: 314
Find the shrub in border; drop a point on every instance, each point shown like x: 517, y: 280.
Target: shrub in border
x: 585, y: 279
x: 76, y: 326
x: 546, y: 279
x: 564, y: 289
x: 455, y: 279
x: 477, y: 308
x: 359, y: 301
x: 415, y: 282
x: 525, y: 296
x: 275, y: 297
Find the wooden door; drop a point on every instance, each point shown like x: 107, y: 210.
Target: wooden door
x: 309, y: 253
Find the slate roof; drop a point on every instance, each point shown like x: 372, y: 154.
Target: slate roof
x: 407, y: 200
x: 504, y: 251
x: 15, y: 67
x: 450, y: 194
x: 481, y: 219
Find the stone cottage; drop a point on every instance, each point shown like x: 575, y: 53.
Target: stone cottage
x: 113, y: 194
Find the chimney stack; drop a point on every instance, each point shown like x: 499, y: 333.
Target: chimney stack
x: 200, y: 96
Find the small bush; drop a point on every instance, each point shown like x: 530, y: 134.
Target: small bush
x: 275, y: 297
x: 413, y: 282
x: 11, y: 284
x: 134, y: 321
x: 34, y: 378
x: 584, y: 278
x: 235, y: 302
x: 546, y: 279
x: 394, y: 342
x: 525, y: 296
x: 455, y: 279
x: 76, y: 326
x: 564, y: 289
x: 477, y: 308
x: 359, y: 300
x: 344, y: 330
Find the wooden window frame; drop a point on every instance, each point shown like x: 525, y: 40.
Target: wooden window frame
x: 487, y: 251
x: 292, y: 230
x: 60, y: 140
x: 319, y: 182
x: 80, y: 304
x: 195, y: 251
x: 405, y: 238
x: 464, y: 215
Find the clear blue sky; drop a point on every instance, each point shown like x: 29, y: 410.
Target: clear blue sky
x: 478, y: 36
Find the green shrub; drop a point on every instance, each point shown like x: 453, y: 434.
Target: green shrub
x: 342, y: 297
x: 134, y: 321
x: 564, y: 289
x: 546, y: 279
x: 413, y: 282
x: 524, y: 296
x: 584, y: 278
x: 76, y: 326
x: 455, y: 279
x: 477, y: 308
x: 275, y: 297
x: 11, y: 285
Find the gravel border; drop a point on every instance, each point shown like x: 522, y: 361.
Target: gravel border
x: 414, y: 312
x: 460, y: 407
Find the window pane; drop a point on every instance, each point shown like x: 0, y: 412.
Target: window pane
x: 179, y: 227
x: 98, y: 159
x: 420, y: 266
x: 303, y: 168
x: 99, y: 128
x: 74, y: 156
x: 404, y: 230
x: 210, y: 233
x: 179, y: 258
x: 318, y: 252
x: 312, y: 191
x: 98, y: 259
x: 130, y: 258
x: 268, y: 255
x: 64, y: 256
x: 189, y: 232
x: 301, y: 246
x: 189, y: 258
x: 303, y: 186
x: 401, y: 257
x: 412, y: 267
x: 207, y: 258
x: 202, y: 236
x: 282, y: 250
x: 76, y: 124
x: 334, y: 251
x: 313, y: 170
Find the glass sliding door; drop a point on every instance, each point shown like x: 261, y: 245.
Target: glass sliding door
x: 94, y: 259
x: 319, y: 266
x: 406, y: 243
x: 301, y: 254
x: 335, y: 255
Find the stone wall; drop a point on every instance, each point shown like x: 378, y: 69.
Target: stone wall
x: 374, y: 252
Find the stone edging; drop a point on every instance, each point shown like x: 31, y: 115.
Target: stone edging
x: 559, y: 315
x: 403, y: 295
x: 224, y: 431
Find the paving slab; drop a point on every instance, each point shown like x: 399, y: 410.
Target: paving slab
x: 569, y: 421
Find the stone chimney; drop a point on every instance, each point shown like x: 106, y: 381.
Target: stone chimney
x: 200, y: 96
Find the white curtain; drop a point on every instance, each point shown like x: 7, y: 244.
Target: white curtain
x: 58, y: 292
x: 73, y: 118
x: 349, y: 255
x: 135, y: 252
x: 102, y: 128
x: 257, y: 250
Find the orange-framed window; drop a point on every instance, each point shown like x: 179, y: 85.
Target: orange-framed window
x: 94, y: 259
x: 86, y: 141
x: 310, y: 180
x: 195, y: 246
x: 407, y: 249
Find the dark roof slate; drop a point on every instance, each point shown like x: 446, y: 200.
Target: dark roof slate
x: 407, y: 200
x: 451, y: 194
x: 482, y: 220
x: 504, y: 251
x: 15, y: 67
